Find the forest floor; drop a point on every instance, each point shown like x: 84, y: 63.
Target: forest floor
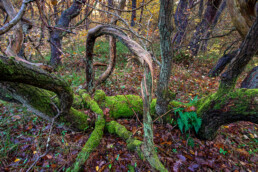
x: 24, y: 135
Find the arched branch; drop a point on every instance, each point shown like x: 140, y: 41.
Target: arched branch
x: 146, y: 86
x: 142, y: 55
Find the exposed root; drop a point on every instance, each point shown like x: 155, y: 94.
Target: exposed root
x: 95, y: 136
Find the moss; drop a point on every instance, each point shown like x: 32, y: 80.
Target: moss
x: 79, y: 119
x: 152, y: 106
x: 35, y: 98
x: 95, y: 136
x: 217, y: 101
x: 77, y: 102
x: 99, y: 96
x: 133, y: 144
x: 115, y: 128
x: 121, y: 106
x: 130, y: 168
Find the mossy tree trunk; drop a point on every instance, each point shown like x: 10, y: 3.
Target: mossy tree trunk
x: 214, y: 116
x: 218, y: 110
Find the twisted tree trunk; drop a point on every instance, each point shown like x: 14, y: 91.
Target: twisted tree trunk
x: 56, y: 35
x: 216, y: 115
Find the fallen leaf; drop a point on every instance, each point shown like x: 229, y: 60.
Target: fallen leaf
x: 17, y: 160
x: 243, y: 152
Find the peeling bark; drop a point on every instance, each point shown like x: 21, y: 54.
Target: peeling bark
x: 146, y: 86
x: 134, y: 47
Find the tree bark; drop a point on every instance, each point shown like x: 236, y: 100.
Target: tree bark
x: 133, y: 46
x: 210, y: 12
x: 181, y: 20
x: 214, y: 23
x: 242, y: 14
x: 146, y: 86
x: 15, y: 18
x: 247, y: 50
x: 165, y: 30
x: 13, y: 71
x: 222, y: 63
x: 225, y: 93
x: 239, y: 105
x: 251, y: 80
x: 56, y: 35
x: 133, y: 17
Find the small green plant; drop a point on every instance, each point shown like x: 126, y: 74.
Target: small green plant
x: 190, y: 141
x: 188, y: 120
x: 222, y: 151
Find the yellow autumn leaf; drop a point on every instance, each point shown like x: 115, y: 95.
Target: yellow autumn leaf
x: 251, y: 135
x: 192, y: 152
x: 97, y: 168
x: 17, y: 160
x: 34, y: 152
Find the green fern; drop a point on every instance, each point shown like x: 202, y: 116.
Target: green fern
x: 188, y: 120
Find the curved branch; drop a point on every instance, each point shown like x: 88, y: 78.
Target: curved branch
x: 146, y: 85
x: 112, y: 49
x: 222, y: 63
x: 142, y: 55
x: 16, y: 19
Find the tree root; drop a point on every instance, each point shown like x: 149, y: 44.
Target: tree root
x: 133, y: 144
x: 95, y: 136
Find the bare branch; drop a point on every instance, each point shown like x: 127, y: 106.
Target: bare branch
x: 16, y: 19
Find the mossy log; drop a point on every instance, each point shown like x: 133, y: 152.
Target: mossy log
x: 41, y: 103
x: 221, y: 109
x: 20, y: 72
